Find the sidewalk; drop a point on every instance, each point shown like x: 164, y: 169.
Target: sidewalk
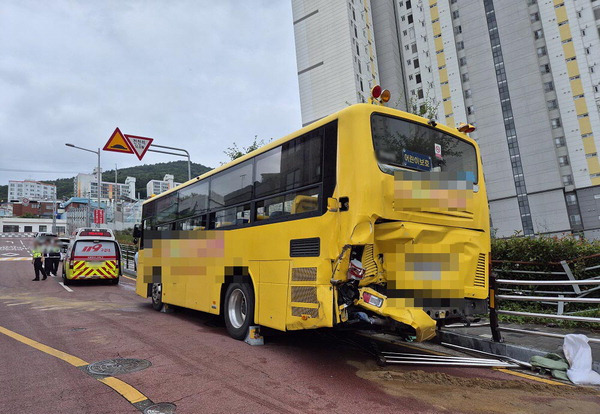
x: 519, y: 346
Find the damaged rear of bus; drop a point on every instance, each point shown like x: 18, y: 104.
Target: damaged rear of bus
x: 413, y: 223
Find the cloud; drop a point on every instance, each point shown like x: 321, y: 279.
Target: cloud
x: 192, y: 74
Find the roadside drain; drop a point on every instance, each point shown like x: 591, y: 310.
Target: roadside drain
x: 117, y: 366
x: 161, y: 408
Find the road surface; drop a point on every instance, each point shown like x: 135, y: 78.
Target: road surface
x: 48, y: 335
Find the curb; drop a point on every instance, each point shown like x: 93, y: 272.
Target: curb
x: 520, y: 353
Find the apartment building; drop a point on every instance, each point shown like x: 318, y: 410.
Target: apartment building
x: 31, y: 190
x: 155, y: 187
x: 525, y: 72
x: 86, y: 185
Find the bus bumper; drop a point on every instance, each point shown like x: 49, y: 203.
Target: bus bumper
x: 421, y: 322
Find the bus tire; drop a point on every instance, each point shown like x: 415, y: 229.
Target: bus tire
x: 156, y: 294
x: 239, y: 309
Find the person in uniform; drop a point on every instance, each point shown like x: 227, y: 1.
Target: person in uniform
x: 37, y: 257
x: 48, y: 261
x: 54, y: 255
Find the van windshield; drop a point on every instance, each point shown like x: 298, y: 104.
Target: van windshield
x: 95, y: 250
x: 401, y: 144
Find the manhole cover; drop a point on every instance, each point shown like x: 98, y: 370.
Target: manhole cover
x: 117, y: 366
x: 161, y: 408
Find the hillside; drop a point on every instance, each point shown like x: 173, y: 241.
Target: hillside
x: 142, y: 173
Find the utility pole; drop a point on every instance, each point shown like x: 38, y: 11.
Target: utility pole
x: 54, y: 214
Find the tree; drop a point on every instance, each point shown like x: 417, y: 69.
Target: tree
x: 428, y: 108
x: 235, y: 152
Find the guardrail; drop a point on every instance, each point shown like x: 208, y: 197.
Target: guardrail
x: 528, y: 286
x: 128, y: 253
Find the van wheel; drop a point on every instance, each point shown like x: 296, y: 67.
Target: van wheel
x: 66, y: 281
x: 239, y: 309
x: 157, y: 303
x: 115, y: 281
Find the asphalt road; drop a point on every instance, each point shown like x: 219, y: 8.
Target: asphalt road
x: 48, y: 334
x: 12, y: 248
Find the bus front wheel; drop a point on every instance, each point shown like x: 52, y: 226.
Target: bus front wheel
x: 239, y: 309
x: 157, y: 303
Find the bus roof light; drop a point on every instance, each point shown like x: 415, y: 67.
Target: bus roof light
x: 376, y: 91
x: 385, y: 95
x: 466, y: 128
x: 379, y: 95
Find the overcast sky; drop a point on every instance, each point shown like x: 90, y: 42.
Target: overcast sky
x: 193, y: 74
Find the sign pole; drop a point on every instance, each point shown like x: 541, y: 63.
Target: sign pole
x: 99, y: 182
x: 187, y: 154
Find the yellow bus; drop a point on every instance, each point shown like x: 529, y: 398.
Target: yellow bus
x: 368, y: 217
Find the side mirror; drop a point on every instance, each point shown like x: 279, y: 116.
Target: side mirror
x: 137, y: 232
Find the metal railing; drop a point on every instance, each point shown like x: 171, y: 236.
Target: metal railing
x: 128, y: 256
x: 524, y: 286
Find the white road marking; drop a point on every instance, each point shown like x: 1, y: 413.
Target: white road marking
x: 19, y: 303
x: 68, y: 289
x: 14, y: 259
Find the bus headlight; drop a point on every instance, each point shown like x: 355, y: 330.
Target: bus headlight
x: 372, y: 299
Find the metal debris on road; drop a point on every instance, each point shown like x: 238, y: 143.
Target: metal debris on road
x: 442, y: 360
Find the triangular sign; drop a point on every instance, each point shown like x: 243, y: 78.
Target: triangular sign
x: 139, y: 144
x: 118, y: 143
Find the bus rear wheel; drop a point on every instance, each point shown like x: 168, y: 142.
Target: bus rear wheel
x: 239, y: 309
x: 157, y: 303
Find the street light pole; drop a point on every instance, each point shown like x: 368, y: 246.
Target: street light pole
x: 99, y: 172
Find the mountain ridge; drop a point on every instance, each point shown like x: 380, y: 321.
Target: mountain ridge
x: 142, y: 173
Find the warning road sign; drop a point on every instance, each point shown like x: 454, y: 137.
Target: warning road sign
x: 118, y: 143
x: 139, y: 144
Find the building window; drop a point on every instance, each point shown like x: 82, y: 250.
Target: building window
x: 462, y: 61
x: 460, y: 45
x: 534, y: 17
x: 575, y: 219
x: 470, y: 110
x: 420, y: 94
x: 414, y: 48
x: 548, y: 86
x: 545, y: 68
x: 552, y: 104
x: 563, y: 160
x: 465, y: 77
x: 555, y: 123
x: 571, y: 199
x: 541, y: 51
x: 408, y: 5
x: 567, y: 179
x: 410, y: 19
x: 416, y: 63
x: 43, y: 228
x: 455, y: 14
x: 418, y: 78
x: 468, y: 93
x: 559, y: 142
x: 538, y: 34
x: 458, y: 29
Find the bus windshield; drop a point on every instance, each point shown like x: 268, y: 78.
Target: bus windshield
x: 407, y: 145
